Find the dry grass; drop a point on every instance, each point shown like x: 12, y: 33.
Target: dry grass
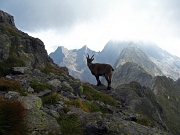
x: 12, y: 117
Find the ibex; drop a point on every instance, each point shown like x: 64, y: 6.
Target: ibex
x: 98, y: 69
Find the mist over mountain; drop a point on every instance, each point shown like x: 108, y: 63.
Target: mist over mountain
x: 111, y: 52
x: 133, y: 54
x: 149, y: 56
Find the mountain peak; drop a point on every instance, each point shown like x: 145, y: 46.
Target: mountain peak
x: 132, y: 45
x: 133, y: 54
x: 84, y: 48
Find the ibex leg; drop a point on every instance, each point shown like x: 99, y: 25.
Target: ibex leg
x: 98, y: 81
x: 108, y: 79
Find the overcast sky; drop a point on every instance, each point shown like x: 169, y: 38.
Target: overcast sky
x: 75, y: 23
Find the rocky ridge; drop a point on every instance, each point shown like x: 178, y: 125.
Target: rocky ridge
x: 133, y: 54
x: 131, y: 72
x: 71, y: 98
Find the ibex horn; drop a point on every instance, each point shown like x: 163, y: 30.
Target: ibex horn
x: 92, y: 56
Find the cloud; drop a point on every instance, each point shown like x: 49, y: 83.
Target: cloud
x: 74, y: 23
x: 57, y: 14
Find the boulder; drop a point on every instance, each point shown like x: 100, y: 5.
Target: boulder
x: 67, y: 87
x: 55, y: 84
x: 19, y: 70
x: 12, y: 95
x: 30, y: 102
x: 39, y: 123
x: 30, y: 90
x: 44, y: 93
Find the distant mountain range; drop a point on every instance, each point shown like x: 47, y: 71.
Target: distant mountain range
x: 151, y: 58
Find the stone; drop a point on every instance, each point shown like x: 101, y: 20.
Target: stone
x: 67, y: 87
x: 30, y: 101
x: 12, y: 95
x: 55, y: 84
x: 54, y: 113
x: 8, y: 77
x: 19, y: 70
x: 68, y: 94
x: 65, y: 69
x: 44, y: 93
x: 30, y: 90
x: 41, y: 123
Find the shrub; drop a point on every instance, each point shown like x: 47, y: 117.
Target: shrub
x: 14, y: 61
x: 10, y: 31
x: 51, y: 69
x: 87, y: 106
x: 4, y: 70
x: 11, y: 117
x: 70, y: 124
x: 38, y: 87
x: 92, y: 94
x: 53, y: 98
x: 11, y: 61
x: 79, y: 104
x: 143, y: 121
x: 10, y: 85
x: 94, y: 107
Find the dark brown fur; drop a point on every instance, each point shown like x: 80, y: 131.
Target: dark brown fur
x: 98, y: 69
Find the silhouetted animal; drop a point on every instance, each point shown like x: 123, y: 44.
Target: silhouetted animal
x: 99, y: 69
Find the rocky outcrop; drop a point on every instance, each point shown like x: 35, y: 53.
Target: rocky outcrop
x: 6, y: 19
x: 19, y: 46
x: 131, y: 72
x: 138, y: 98
x: 38, y: 121
x: 133, y: 54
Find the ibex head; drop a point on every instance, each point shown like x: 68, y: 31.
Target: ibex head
x: 89, y: 60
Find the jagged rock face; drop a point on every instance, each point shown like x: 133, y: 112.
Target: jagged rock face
x: 142, y: 101
x: 6, y: 19
x: 168, y: 95
x: 170, y: 65
x: 160, y: 103
x: 28, y: 51
x: 131, y: 72
x: 133, y: 54
x: 59, y: 54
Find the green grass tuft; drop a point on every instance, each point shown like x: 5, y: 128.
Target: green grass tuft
x: 87, y: 106
x: 70, y: 124
x: 92, y: 94
x: 52, y: 99
x: 38, y: 87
